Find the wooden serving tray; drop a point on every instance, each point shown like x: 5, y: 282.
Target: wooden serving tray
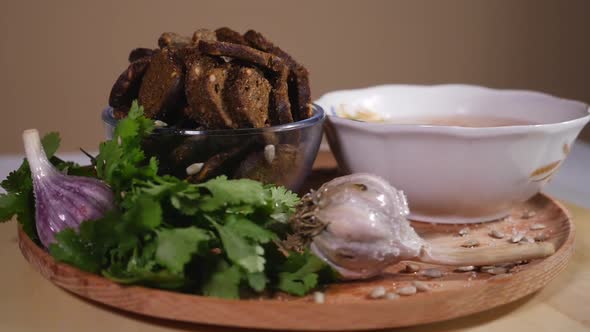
x: 347, y: 305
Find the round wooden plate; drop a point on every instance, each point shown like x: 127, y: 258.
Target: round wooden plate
x: 347, y: 305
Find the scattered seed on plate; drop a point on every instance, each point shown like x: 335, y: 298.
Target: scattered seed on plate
x: 536, y: 227
x: 486, y: 267
x: 541, y: 237
x: 406, y: 291
x: 527, y: 239
x: 421, y: 286
x: 527, y: 214
x: 517, y: 237
x: 496, y: 270
x: 194, y: 168
x: 470, y: 243
x: 411, y: 268
x: 464, y: 231
x: 497, y: 234
x: 391, y: 296
x: 506, y: 265
x: 160, y: 124
x: 319, y: 297
x: 465, y: 268
x: 377, y: 292
x: 432, y: 273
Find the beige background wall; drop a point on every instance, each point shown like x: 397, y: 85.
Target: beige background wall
x: 58, y: 59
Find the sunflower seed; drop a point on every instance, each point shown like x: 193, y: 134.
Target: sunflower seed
x: 432, y: 273
x: 319, y: 297
x: 497, y: 234
x: 517, y: 237
x: 486, y: 267
x: 391, y: 296
x: 497, y: 270
x: 269, y: 153
x: 406, y: 291
x: 421, y: 286
x: 377, y: 292
x: 536, y: 227
x: 411, y: 268
x: 541, y: 237
x: 465, y: 268
x: 527, y: 214
x: 194, y: 168
x: 464, y: 231
x: 160, y: 124
x: 470, y: 243
x: 527, y: 239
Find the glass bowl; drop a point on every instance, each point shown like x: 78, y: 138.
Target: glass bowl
x: 281, y: 155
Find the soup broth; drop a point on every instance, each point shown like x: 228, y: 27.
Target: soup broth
x: 476, y: 121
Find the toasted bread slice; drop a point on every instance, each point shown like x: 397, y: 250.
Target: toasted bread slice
x: 228, y: 35
x: 126, y: 87
x: 162, y: 89
x: 204, y: 88
x: 203, y: 34
x: 298, y: 77
x: 246, y: 95
x: 280, y: 107
x: 139, y: 53
x: 173, y: 40
x: 242, y: 52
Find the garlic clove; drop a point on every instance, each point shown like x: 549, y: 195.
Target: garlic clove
x: 62, y: 201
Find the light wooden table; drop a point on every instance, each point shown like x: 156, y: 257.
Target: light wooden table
x: 30, y: 303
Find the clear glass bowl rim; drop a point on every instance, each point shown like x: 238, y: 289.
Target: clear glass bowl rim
x: 318, y: 117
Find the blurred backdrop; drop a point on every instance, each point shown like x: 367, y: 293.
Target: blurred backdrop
x: 59, y: 59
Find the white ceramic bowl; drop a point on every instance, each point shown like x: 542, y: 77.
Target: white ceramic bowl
x: 454, y: 174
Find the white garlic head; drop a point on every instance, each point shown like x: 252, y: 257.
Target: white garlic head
x: 367, y: 229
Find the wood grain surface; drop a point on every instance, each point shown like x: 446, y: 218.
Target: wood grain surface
x: 32, y: 304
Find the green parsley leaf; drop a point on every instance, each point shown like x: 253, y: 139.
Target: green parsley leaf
x: 240, y: 251
x: 122, y: 160
x: 10, y: 204
x: 257, y: 281
x: 177, y: 246
x: 72, y: 249
x: 142, y: 269
x: 50, y: 143
x: 246, y: 228
x: 224, y: 282
x: 301, y: 273
x: 226, y: 192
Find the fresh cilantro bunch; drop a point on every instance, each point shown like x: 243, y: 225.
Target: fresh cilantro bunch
x: 218, y: 238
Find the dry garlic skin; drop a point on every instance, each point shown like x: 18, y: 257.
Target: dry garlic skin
x: 366, y: 225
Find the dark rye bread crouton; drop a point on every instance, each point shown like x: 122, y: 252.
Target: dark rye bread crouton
x: 299, y: 90
x: 241, y: 52
x: 161, y: 93
x: 127, y: 85
x: 173, y: 40
x: 225, y: 162
x: 139, y: 53
x: 204, y: 88
x: 203, y: 34
x: 228, y: 35
x: 280, y: 107
x: 246, y: 95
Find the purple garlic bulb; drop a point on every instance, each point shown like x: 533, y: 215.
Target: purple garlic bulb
x: 62, y: 201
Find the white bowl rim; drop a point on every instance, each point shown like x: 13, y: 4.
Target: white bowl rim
x: 457, y: 130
